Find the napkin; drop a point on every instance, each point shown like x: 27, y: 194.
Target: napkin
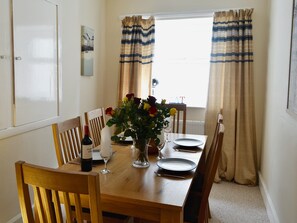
x: 105, y: 138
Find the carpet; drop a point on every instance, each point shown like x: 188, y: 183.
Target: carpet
x: 233, y: 203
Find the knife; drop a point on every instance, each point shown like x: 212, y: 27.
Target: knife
x: 169, y: 175
x: 186, y: 150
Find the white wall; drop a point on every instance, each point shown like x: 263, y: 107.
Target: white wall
x: 94, y: 17
x: 117, y: 8
x: 79, y: 94
x: 279, y: 157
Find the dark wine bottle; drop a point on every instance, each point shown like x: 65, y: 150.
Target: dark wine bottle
x: 86, y: 151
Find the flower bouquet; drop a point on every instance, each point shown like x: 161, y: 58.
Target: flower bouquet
x: 141, y: 119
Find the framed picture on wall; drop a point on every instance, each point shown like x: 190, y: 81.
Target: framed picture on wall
x: 292, y: 92
x: 87, y: 51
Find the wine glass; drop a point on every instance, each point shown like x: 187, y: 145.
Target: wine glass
x: 161, y: 145
x: 133, y: 144
x: 105, y: 153
x: 168, y: 129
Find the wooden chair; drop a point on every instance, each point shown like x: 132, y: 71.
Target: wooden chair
x: 198, y: 179
x: 197, y: 207
x: 50, y: 187
x: 181, y: 115
x: 95, y: 119
x: 204, y: 159
x: 67, y: 137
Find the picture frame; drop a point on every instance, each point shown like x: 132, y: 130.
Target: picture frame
x: 292, y: 86
x: 87, y: 51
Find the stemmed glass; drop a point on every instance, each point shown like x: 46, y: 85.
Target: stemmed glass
x: 105, y: 153
x: 168, y: 129
x: 161, y: 145
x: 133, y: 144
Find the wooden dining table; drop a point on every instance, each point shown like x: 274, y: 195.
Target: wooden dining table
x: 139, y: 192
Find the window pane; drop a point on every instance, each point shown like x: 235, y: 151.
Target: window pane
x: 181, y: 62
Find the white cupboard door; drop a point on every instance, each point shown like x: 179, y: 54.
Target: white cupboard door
x: 35, y: 61
x: 5, y: 65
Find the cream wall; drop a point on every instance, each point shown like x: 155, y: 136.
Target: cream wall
x: 117, y: 8
x: 279, y: 158
x: 83, y: 93
x: 79, y: 94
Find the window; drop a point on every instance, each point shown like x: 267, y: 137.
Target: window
x: 181, y: 61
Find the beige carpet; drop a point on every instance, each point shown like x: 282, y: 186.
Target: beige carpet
x: 234, y: 203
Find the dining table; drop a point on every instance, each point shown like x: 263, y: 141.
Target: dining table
x: 140, y: 192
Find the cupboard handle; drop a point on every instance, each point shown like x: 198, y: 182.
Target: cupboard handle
x: 3, y: 57
x: 18, y: 58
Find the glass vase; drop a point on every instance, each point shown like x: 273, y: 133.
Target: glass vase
x: 141, y: 154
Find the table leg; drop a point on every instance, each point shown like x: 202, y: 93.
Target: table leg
x: 168, y: 216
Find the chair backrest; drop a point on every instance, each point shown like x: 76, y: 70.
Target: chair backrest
x: 95, y: 119
x: 211, y: 148
x: 53, y: 187
x: 181, y: 115
x: 67, y: 137
x: 204, y: 157
x: 210, y: 171
x: 196, y: 208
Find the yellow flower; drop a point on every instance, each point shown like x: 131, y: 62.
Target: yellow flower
x: 146, y: 106
x: 172, y: 111
x: 125, y: 99
x: 163, y: 102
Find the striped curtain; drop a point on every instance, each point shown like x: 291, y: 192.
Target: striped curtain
x: 138, y: 38
x: 231, y: 92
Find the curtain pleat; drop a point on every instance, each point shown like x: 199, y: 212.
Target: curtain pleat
x: 231, y: 92
x: 137, y: 45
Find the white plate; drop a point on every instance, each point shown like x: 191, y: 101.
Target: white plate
x: 188, y: 142
x: 96, y: 155
x: 176, y: 164
x: 128, y: 139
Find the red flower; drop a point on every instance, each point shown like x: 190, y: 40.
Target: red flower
x: 129, y: 96
x: 153, y: 111
x: 151, y: 100
x: 109, y: 111
x: 137, y: 100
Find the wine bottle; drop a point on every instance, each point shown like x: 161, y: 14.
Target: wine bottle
x: 86, y: 151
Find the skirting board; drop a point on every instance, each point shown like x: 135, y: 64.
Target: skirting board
x: 16, y: 219
x: 272, y: 215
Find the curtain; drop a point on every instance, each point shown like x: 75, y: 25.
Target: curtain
x: 138, y: 38
x: 231, y: 92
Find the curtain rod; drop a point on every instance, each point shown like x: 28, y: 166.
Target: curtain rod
x: 172, y: 15
x: 177, y: 15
